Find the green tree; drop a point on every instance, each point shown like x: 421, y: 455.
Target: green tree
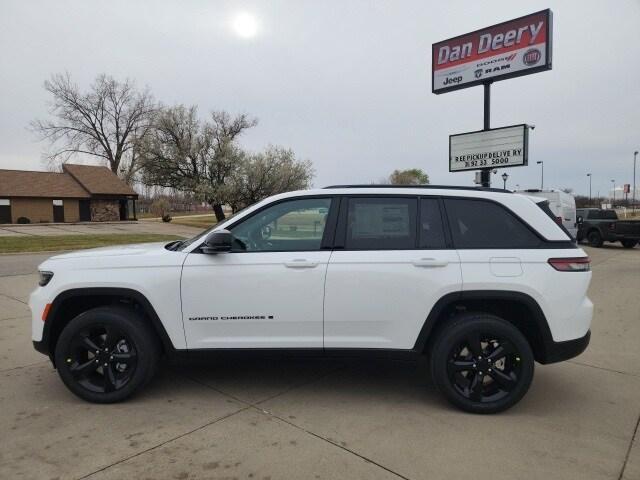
x: 412, y: 176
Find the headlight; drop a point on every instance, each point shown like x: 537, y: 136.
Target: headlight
x: 45, y: 277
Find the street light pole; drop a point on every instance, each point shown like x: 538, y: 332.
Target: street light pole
x: 541, y: 163
x: 589, y: 175
x: 633, y: 200
x: 505, y: 175
x: 613, y: 202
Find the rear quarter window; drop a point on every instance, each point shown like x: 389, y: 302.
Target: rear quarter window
x: 477, y: 224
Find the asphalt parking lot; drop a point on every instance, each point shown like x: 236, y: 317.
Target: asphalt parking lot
x: 321, y: 418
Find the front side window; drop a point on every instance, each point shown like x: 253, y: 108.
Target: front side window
x: 293, y: 225
x: 482, y: 224
x: 381, y: 223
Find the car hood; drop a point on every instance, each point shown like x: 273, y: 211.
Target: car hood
x: 116, y: 251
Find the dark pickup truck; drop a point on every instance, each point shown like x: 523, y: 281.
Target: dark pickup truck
x: 598, y: 226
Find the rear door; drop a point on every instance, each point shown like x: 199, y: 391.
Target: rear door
x: 391, y: 262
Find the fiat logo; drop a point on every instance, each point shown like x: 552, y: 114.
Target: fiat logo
x: 531, y: 57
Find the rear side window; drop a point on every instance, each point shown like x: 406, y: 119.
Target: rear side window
x: 481, y: 224
x: 381, y: 223
x: 431, y: 230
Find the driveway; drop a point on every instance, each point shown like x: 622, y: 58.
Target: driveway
x: 142, y: 226
x: 319, y: 418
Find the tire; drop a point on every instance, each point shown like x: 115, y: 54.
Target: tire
x: 595, y: 239
x: 475, y: 341
x: 113, y: 336
x: 629, y: 243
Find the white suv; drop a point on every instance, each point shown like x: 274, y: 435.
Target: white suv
x: 483, y: 281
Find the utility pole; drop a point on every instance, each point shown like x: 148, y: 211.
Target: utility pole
x: 541, y: 162
x: 589, y: 175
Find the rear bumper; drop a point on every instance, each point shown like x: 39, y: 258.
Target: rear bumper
x: 559, y: 351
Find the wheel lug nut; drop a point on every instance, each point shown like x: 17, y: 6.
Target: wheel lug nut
x: 474, y: 365
x: 105, y: 364
x: 111, y: 357
x: 480, y: 373
x: 489, y: 370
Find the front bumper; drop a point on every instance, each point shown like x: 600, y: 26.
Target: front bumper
x: 559, y: 351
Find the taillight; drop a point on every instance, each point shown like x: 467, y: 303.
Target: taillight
x: 577, y: 264
x: 559, y: 220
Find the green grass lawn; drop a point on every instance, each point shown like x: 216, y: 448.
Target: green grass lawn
x: 76, y: 242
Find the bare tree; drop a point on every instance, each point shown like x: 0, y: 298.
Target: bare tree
x: 108, y: 121
x: 193, y: 156
x: 267, y: 173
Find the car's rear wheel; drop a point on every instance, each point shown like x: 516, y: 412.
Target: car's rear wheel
x: 482, y: 363
x: 106, y: 354
x: 629, y: 243
x: 595, y: 239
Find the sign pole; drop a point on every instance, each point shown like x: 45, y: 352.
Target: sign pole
x: 485, y: 174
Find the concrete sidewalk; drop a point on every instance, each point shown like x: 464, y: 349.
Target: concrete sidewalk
x: 320, y: 418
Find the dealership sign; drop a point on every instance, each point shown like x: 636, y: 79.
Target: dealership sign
x: 494, y: 148
x: 510, y: 49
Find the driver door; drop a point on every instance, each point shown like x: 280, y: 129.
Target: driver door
x: 268, y: 291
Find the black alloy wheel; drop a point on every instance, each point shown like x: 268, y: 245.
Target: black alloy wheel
x: 482, y: 363
x: 106, y: 354
x: 101, y: 358
x: 484, y: 368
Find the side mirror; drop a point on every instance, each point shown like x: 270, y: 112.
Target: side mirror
x: 579, y: 220
x: 219, y: 241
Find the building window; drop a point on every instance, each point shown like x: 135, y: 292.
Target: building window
x: 57, y: 203
x: 5, y: 202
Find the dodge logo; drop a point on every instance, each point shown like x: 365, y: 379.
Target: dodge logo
x: 531, y: 57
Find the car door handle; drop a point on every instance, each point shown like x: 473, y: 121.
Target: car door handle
x: 300, y: 263
x: 430, y: 263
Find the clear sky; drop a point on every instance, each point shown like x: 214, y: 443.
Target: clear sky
x: 344, y: 83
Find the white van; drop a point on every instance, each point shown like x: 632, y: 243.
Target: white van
x: 562, y: 204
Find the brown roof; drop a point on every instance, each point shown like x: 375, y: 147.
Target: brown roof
x: 98, y: 180
x: 76, y: 181
x: 21, y: 183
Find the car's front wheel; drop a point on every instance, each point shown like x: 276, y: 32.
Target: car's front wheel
x: 106, y: 354
x: 482, y: 363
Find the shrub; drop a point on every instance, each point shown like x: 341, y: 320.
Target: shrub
x: 23, y: 220
x: 160, y: 208
x: 166, y: 218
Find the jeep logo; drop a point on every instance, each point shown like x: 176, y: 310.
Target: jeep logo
x: 450, y: 80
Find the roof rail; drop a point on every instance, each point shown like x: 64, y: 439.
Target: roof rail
x: 436, y: 187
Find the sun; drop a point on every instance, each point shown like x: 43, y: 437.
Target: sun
x: 245, y: 25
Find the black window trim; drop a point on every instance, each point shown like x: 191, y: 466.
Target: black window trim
x: 327, y: 236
